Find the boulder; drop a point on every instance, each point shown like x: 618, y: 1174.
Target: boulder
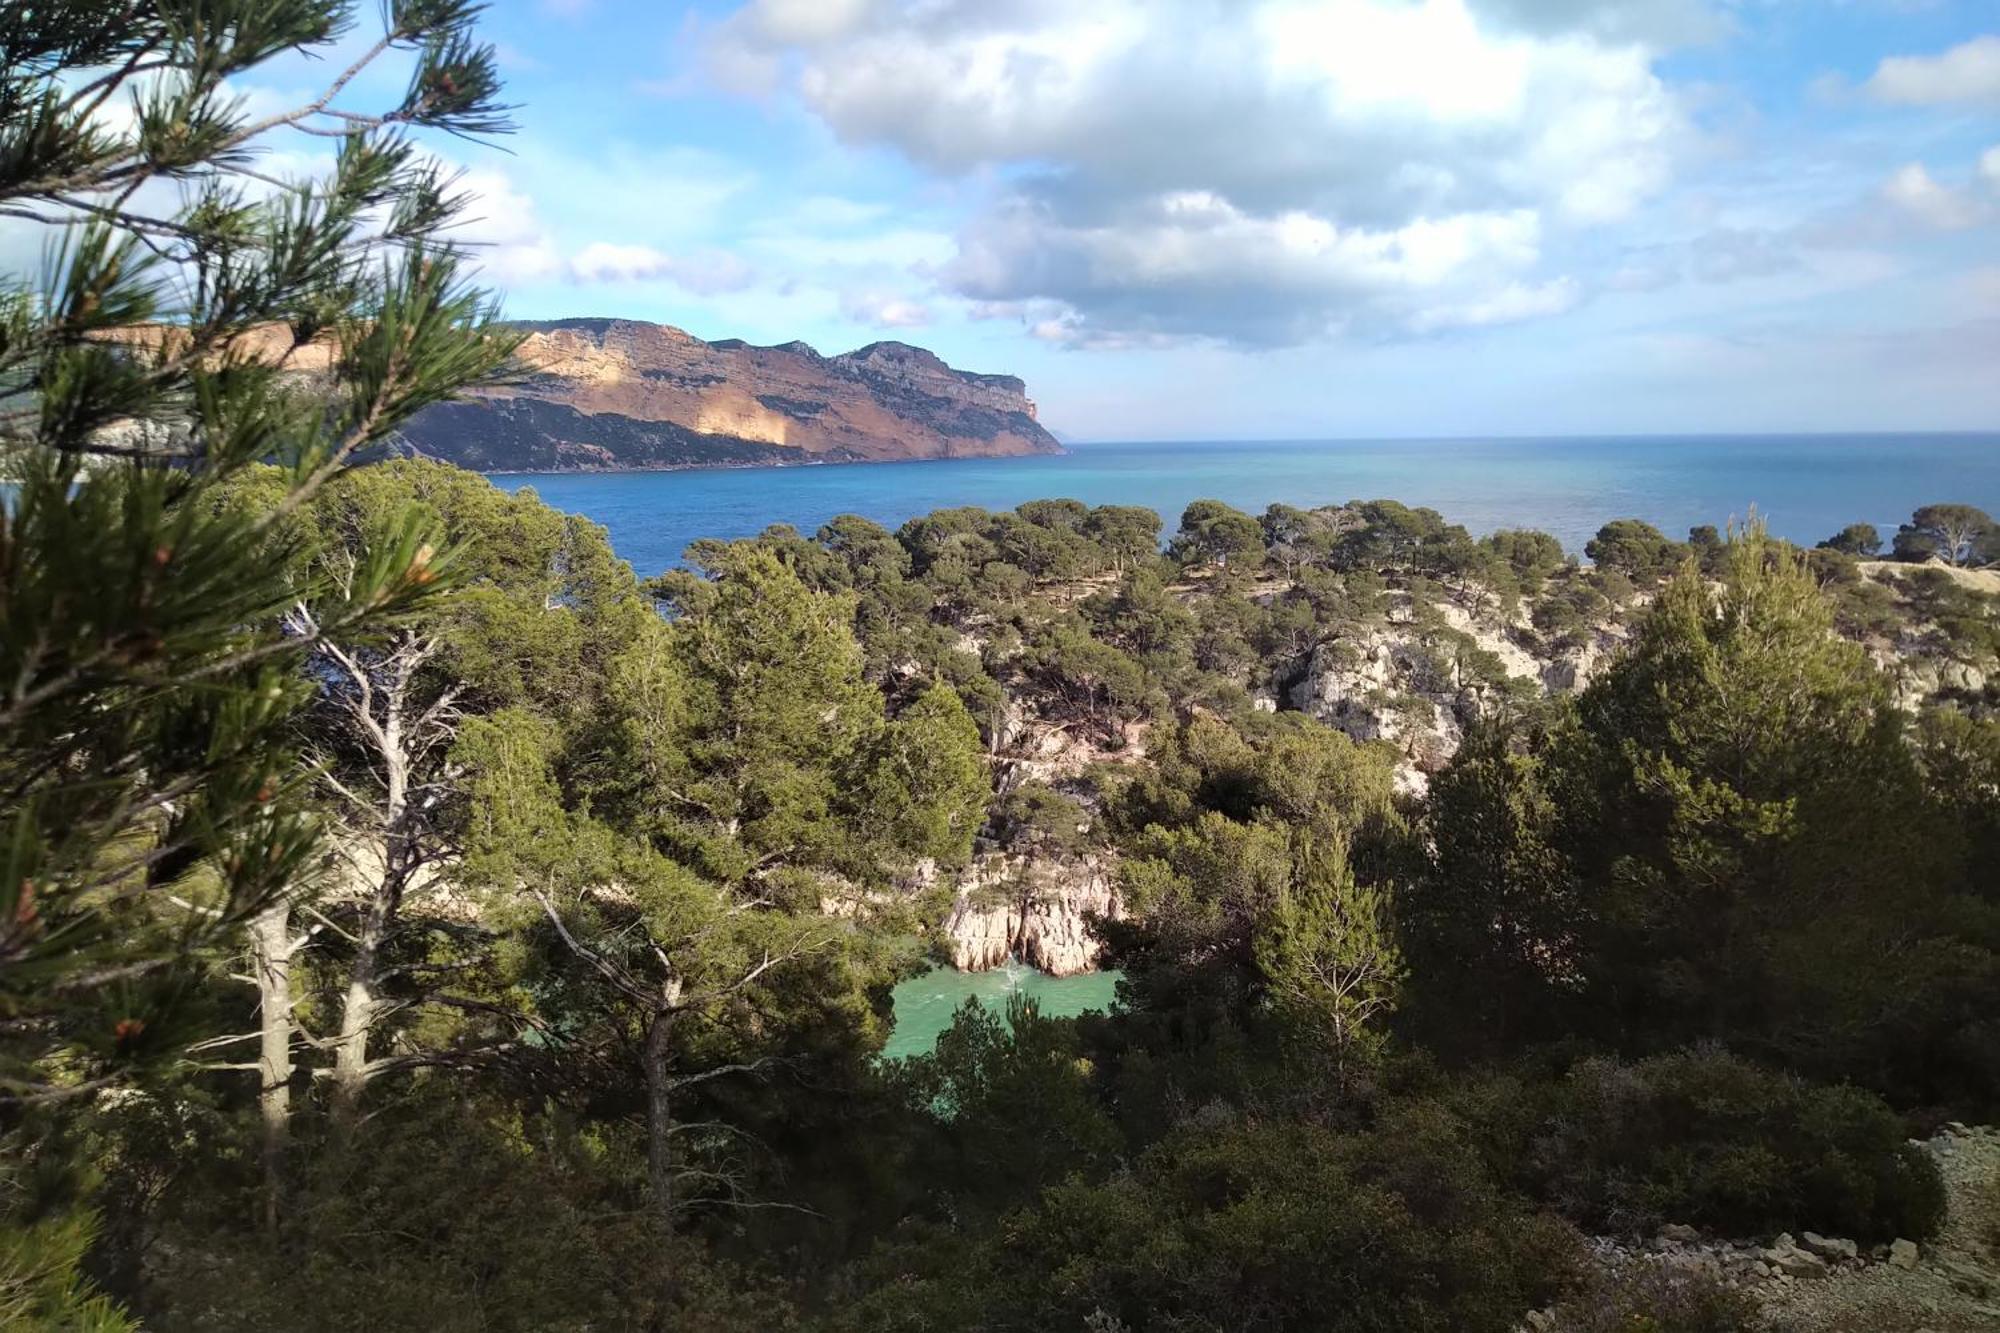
x: 1791, y: 1261
x: 1903, y: 1254
x: 1828, y: 1247
x: 1799, y: 1264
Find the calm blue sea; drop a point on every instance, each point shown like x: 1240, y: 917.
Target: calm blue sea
x: 1806, y: 486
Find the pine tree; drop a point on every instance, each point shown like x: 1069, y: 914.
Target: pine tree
x: 667, y: 957
x: 920, y: 789
x: 1331, y: 966
x: 195, y: 316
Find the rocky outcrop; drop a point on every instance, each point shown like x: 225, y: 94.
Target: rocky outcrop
x: 1035, y: 911
x: 1922, y: 659
x: 1418, y: 679
x: 610, y: 394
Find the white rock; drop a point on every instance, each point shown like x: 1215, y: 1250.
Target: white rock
x: 1828, y: 1247
x: 1798, y: 1264
x: 1035, y: 910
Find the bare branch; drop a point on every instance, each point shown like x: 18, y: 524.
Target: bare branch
x: 751, y: 1067
x: 615, y: 975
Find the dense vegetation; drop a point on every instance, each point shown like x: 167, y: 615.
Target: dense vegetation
x: 578, y: 1028
x: 415, y: 921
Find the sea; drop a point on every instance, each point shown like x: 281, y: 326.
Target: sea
x: 926, y: 1004
x: 1805, y: 487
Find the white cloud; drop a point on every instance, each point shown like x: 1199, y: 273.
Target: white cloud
x: 1915, y: 191
x: 1261, y: 171
x: 507, y: 238
x: 1376, y: 107
x: 1646, y: 275
x: 705, y: 274
x: 1192, y: 263
x: 1989, y: 166
x: 513, y: 247
x: 603, y: 261
x: 887, y: 312
x: 837, y: 211
x: 787, y: 21
x: 1511, y: 304
x: 1730, y: 254
x: 1672, y: 21
x: 1969, y: 72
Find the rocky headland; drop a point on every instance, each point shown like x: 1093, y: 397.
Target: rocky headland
x: 605, y: 395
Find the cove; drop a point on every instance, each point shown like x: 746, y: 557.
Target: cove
x: 924, y: 1005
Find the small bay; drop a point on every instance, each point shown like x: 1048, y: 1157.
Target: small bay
x: 924, y: 1004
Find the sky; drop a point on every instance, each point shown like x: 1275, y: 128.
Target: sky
x: 1232, y: 219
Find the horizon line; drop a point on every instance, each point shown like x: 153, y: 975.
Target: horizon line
x: 1521, y: 436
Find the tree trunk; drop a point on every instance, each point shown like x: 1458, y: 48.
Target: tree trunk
x: 659, y: 1115
x: 364, y: 1005
x: 271, y: 956
x: 659, y: 1138
x: 350, y: 1051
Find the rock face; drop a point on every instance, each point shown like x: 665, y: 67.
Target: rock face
x: 609, y: 394
x: 1921, y: 661
x: 1418, y: 680
x: 1037, y: 911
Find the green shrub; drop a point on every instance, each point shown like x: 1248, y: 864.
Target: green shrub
x: 1654, y: 1298
x: 1705, y: 1138
x: 446, y: 1215
x: 1262, y: 1226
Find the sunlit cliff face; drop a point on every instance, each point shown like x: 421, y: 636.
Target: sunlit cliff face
x: 607, y: 393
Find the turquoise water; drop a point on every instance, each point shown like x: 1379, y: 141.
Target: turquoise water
x: 1808, y: 487
x: 924, y: 1004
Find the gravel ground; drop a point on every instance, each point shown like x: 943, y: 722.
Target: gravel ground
x: 1955, y: 1287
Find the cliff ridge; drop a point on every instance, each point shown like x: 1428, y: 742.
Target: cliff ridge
x: 615, y: 394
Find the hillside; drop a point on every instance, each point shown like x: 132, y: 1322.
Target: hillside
x: 611, y: 394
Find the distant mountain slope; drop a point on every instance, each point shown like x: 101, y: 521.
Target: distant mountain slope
x: 610, y: 394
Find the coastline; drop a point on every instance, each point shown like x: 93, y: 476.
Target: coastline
x: 760, y: 467
x: 1808, y: 489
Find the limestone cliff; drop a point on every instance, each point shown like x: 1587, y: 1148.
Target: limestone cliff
x: 1035, y: 910
x: 611, y: 394
x: 1419, y: 679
